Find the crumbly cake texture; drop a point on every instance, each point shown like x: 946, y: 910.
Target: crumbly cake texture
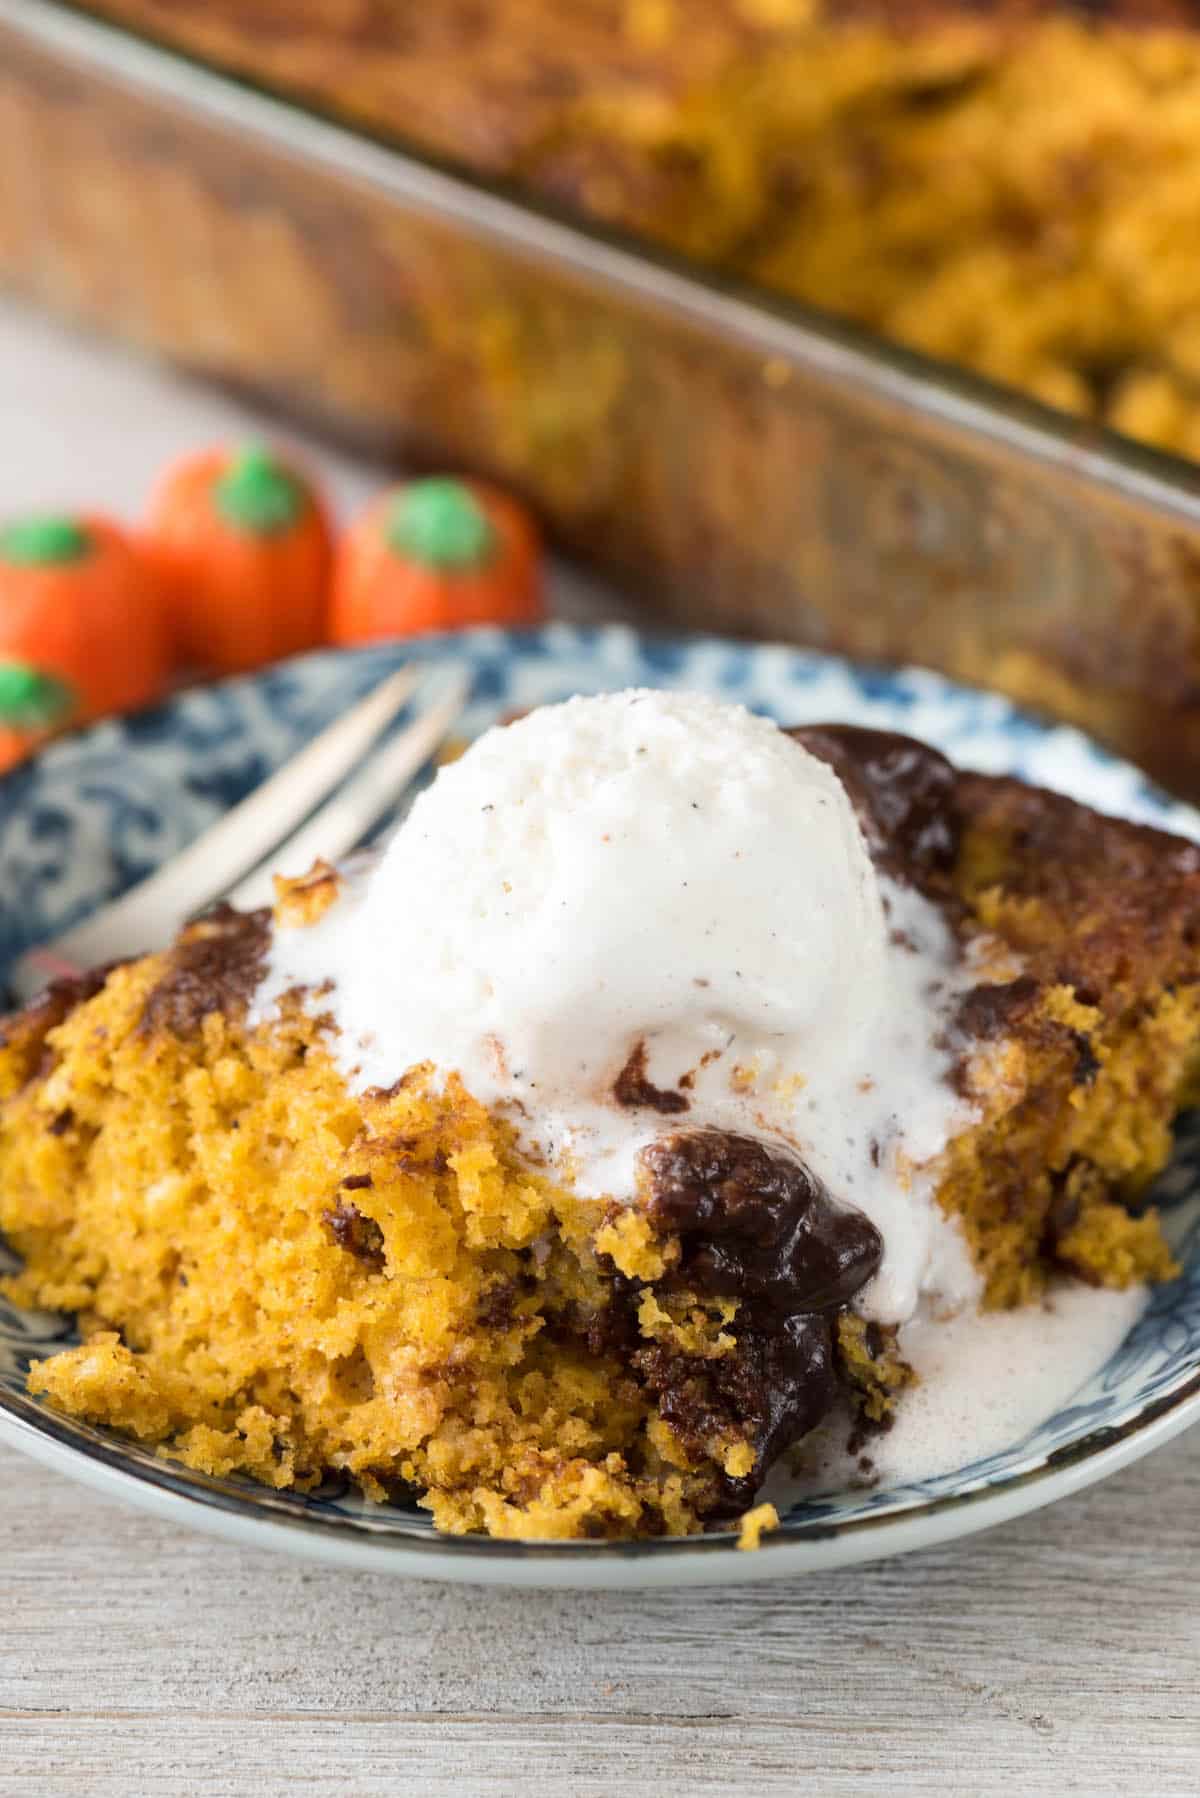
x: 279, y: 1277
x: 1010, y: 184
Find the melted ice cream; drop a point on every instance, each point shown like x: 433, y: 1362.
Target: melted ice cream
x: 986, y: 1380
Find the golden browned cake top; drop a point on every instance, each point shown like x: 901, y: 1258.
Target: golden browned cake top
x: 478, y: 82
x: 485, y: 83
x: 1088, y: 901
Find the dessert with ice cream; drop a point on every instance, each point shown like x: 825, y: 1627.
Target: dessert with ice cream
x: 676, y: 1100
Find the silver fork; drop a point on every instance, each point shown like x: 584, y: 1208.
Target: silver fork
x: 236, y: 858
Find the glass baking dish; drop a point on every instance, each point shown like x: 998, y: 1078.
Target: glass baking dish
x: 739, y: 463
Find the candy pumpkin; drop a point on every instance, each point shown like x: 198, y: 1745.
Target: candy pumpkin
x: 242, y: 546
x: 32, y: 706
x: 81, y: 627
x: 436, y: 555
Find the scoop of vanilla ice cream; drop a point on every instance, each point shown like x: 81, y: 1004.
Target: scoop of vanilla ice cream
x: 640, y: 867
x: 662, y: 877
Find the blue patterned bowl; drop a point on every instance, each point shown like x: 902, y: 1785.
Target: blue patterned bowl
x: 98, y: 811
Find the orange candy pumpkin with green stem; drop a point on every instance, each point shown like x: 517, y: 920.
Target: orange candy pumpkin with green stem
x: 81, y: 627
x: 437, y: 555
x: 242, y: 544
x: 32, y: 706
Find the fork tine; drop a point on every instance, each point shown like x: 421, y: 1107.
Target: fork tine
x: 147, y: 917
x: 364, y: 799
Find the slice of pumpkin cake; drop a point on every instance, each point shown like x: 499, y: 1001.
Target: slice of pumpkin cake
x: 626, y: 1123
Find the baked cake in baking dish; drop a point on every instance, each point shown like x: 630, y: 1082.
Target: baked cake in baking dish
x: 1007, y: 184
x: 604, y: 1140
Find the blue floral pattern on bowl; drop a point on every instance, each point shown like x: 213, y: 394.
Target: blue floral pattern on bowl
x: 99, y: 810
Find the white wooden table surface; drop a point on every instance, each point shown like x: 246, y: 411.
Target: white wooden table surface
x: 1058, y: 1654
